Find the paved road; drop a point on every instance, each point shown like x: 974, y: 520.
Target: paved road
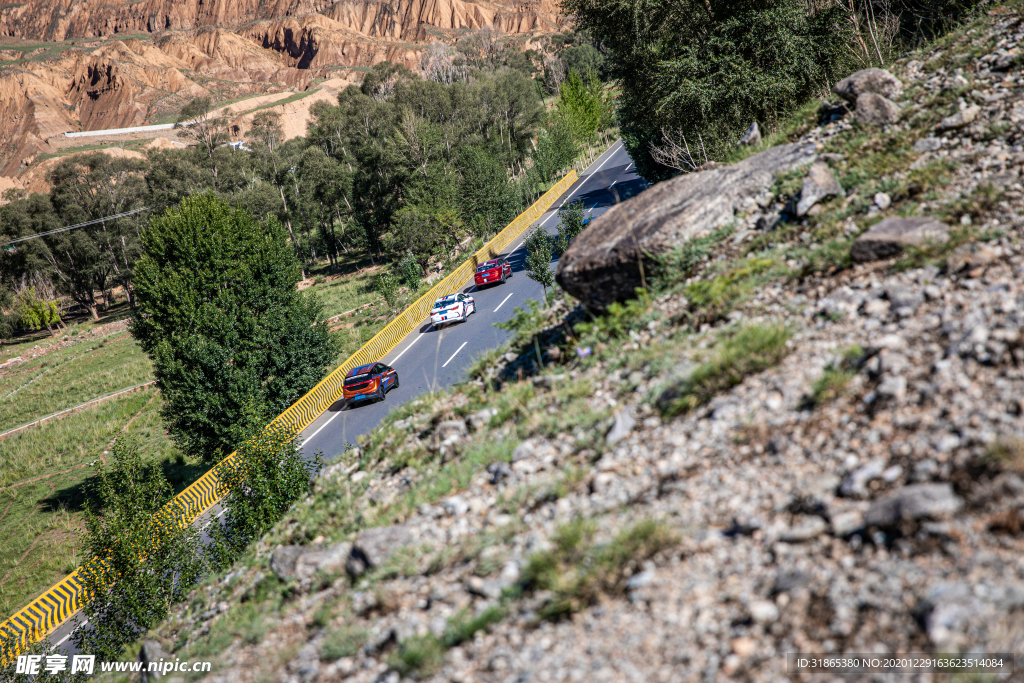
x: 428, y: 359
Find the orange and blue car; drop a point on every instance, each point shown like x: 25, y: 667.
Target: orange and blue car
x: 370, y: 381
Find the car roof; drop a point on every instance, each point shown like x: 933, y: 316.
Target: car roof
x: 492, y: 262
x: 450, y: 297
x: 360, y: 369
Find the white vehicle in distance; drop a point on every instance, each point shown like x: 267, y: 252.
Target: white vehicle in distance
x: 451, y: 309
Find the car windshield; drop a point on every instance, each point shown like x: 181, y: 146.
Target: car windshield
x: 484, y: 267
x: 441, y: 303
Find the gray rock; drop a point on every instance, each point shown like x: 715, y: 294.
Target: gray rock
x: 523, y: 451
x: 456, y: 505
x: 768, y: 222
x: 498, y: 471
x: 890, y: 236
x: 925, y: 470
x: 644, y: 578
x: 917, y: 501
x: 819, y: 184
x: 959, y: 119
x: 479, y: 420
x: 855, y: 484
x: 763, y: 611
x: 846, y: 523
x: 882, y: 201
x: 603, y: 263
x: 624, y: 424
x: 876, y: 110
x: 302, y: 562
x: 752, y: 136
x: 451, y: 429
x: 374, y: 546
x: 808, y: 528
x: 929, y: 144
x: 878, y: 81
x: 893, y: 386
x: 789, y: 580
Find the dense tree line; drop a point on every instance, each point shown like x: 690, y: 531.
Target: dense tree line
x: 401, y: 165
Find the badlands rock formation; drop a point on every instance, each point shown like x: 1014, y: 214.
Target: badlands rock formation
x: 169, y: 52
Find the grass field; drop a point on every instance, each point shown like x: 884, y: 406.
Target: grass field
x: 65, y: 378
x: 42, y: 475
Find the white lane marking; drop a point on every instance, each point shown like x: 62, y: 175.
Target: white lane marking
x: 503, y: 301
x: 613, y: 183
x: 610, y: 149
x: 513, y: 250
x: 305, y: 441
x: 455, y: 354
x: 395, y: 359
x: 627, y: 167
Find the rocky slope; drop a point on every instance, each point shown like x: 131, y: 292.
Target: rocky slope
x: 808, y: 437
x: 69, y: 66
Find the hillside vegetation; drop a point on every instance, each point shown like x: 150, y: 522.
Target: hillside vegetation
x: 786, y: 442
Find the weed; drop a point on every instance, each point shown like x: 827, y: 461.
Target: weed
x: 342, y: 642
x: 578, y: 570
x: 1007, y: 453
x: 418, y: 656
x: 713, y: 298
x: 681, y: 262
x: 749, y: 351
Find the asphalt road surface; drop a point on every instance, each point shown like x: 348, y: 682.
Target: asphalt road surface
x: 429, y: 359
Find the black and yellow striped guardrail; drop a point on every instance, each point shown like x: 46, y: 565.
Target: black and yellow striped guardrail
x: 56, y: 605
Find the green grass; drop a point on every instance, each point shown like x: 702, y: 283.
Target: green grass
x: 67, y: 377
x: 422, y: 656
x: 751, y: 350
x: 578, y: 571
x: 342, y: 642
x: 41, y: 521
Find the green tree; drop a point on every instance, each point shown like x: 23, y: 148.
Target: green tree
x: 148, y: 557
x: 580, y: 106
x: 708, y: 68
x: 221, y: 318
x: 268, y: 474
x: 410, y: 271
x: 35, y: 311
x: 386, y: 285
x: 570, y: 224
x: 488, y: 199
x: 538, y: 258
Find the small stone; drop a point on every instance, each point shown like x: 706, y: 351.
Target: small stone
x: 523, y: 451
x: 811, y: 527
x: 819, y: 184
x: 752, y: 136
x: 846, y: 523
x: 744, y: 647
x: 856, y: 482
x: 358, y: 477
x: 456, y: 505
x: 960, y: 119
x: 929, y: 144
x: 479, y: 420
x: 624, y: 424
x: 882, y: 201
x: 893, y: 386
x: 965, y: 219
x: 876, y: 110
x: 302, y: 562
x: 763, y: 612
x: 640, y: 580
x: 917, y: 501
x: 890, y: 236
x: 374, y: 546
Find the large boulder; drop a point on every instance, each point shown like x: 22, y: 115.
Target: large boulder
x: 603, y: 263
x: 889, y: 237
x: 877, y: 81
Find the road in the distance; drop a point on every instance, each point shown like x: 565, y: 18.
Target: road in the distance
x: 428, y: 359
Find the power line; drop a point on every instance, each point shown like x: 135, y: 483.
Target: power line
x: 81, y: 225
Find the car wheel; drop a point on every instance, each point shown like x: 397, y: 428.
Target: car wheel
x: 396, y: 382
x: 381, y: 394
x: 502, y: 278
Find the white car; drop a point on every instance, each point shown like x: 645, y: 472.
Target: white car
x: 451, y: 309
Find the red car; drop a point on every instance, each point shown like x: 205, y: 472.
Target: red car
x: 369, y: 381
x: 495, y: 270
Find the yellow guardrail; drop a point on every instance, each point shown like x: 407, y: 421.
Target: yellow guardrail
x: 44, y: 614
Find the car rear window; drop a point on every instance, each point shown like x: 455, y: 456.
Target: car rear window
x: 447, y: 301
x: 357, y: 379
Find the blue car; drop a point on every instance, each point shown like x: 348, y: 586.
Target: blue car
x: 370, y: 381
